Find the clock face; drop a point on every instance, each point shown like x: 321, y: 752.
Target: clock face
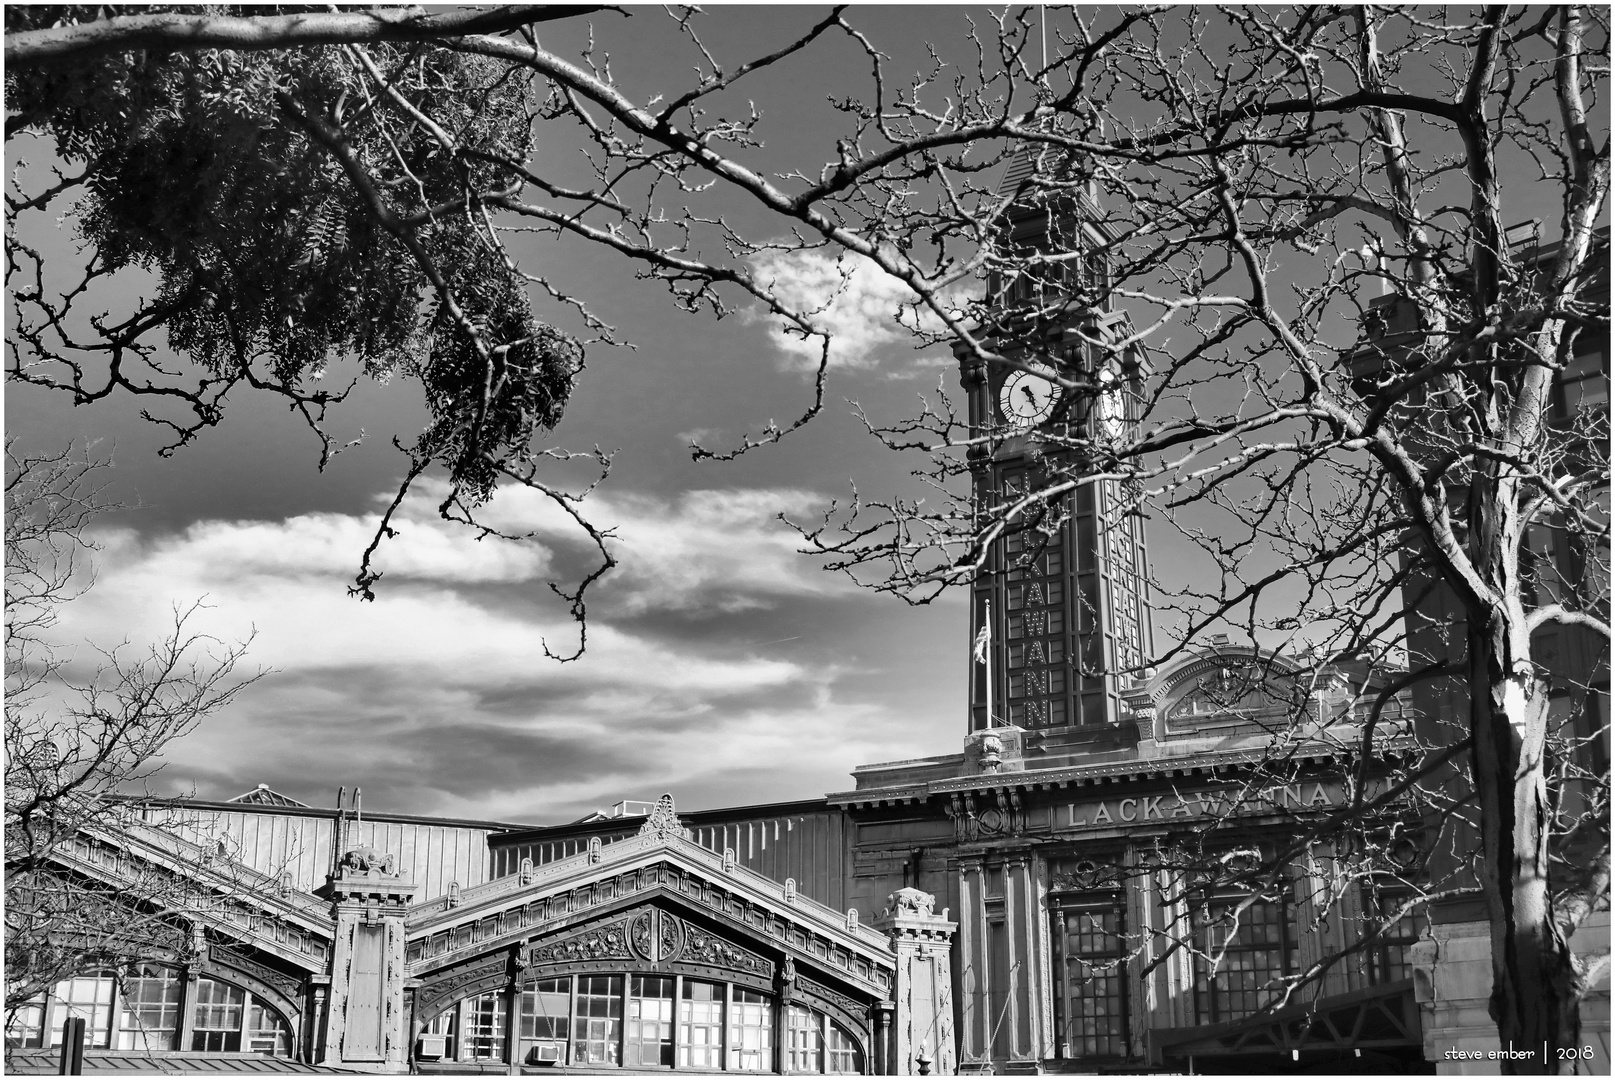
x: 1025, y: 398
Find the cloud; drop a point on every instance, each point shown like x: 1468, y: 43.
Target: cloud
x: 866, y: 311
x: 437, y: 698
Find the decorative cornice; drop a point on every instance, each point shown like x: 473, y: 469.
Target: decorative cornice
x: 1207, y: 763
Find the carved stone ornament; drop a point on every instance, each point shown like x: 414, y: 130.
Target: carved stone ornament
x: 910, y: 901
x: 663, y: 822
x: 790, y: 890
x: 594, y: 849
x: 729, y: 861
x: 526, y: 871
x: 1084, y: 876
x: 992, y: 753
x: 852, y: 918
x: 367, y: 860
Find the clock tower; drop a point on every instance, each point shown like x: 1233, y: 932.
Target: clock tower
x: 1063, y: 593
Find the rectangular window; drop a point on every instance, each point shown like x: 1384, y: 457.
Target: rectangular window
x: 1057, y: 713
x: 1241, y: 957
x: 1017, y: 626
x: 484, y: 1029
x: 545, y: 1014
x: 751, y: 1032
x: 701, y: 1025
x: 1014, y: 597
x: 27, y: 1027
x: 88, y: 997
x: 1093, y: 981
x: 597, y: 1025
x: 1056, y: 650
x: 1017, y: 684
x: 650, y: 1022
x: 216, y: 1017
x: 1388, y: 955
x: 804, y: 1040
x: 148, y: 1008
x: 1057, y: 680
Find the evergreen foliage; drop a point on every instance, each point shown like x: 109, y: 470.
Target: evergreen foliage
x: 271, y: 262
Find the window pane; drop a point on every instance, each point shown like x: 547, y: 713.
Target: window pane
x: 216, y: 1016
x: 597, y: 1025
x: 1388, y: 955
x: 751, y: 1032
x: 1245, y: 955
x: 650, y: 1022
x: 148, y: 1008
x: 804, y: 1040
x: 842, y: 1055
x: 545, y: 1012
x: 267, y: 1032
x: 484, y: 1035
x: 27, y: 1027
x: 1094, y: 984
x: 701, y: 1025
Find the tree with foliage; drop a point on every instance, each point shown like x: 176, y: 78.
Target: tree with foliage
x: 81, y: 736
x: 1227, y: 196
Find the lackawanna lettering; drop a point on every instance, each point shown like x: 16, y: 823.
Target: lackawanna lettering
x: 1305, y: 796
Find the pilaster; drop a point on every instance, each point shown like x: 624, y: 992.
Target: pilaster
x: 922, y: 1039
x: 365, y: 1016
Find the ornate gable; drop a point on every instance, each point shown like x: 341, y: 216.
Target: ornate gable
x: 649, y: 901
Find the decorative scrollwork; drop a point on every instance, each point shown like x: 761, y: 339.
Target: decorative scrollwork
x: 672, y: 937
x: 663, y: 822
x: 639, y: 932
x: 606, y: 943
x: 701, y: 947
x: 1085, y: 876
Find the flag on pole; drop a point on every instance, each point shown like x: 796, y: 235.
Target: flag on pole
x: 980, y: 652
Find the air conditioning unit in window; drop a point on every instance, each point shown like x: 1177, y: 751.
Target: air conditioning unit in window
x: 546, y: 1052
x: 432, y: 1046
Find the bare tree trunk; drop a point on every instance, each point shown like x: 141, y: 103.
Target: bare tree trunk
x: 1535, y: 989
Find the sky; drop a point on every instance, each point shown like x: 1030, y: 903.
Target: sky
x: 721, y: 666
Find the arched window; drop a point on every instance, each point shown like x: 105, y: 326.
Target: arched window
x: 816, y: 1044
x: 841, y: 1051
x: 228, y: 1018
x: 139, y: 1009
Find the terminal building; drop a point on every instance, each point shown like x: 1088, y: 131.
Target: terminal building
x: 1104, y: 878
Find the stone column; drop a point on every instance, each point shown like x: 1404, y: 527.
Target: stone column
x: 922, y: 1038
x: 364, y: 1017
x: 882, y: 1065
